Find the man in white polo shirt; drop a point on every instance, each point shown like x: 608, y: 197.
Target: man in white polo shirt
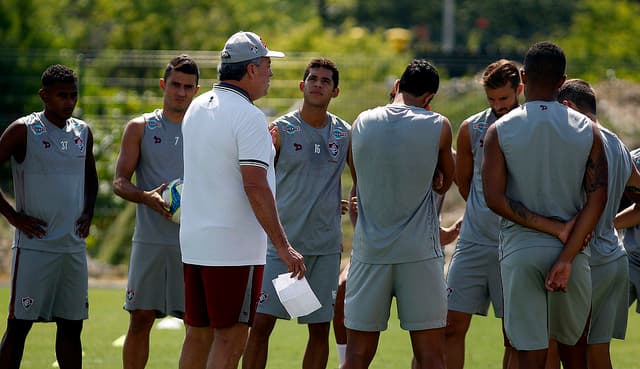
x: 227, y: 206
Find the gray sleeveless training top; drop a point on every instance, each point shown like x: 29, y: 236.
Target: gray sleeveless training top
x: 605, y: 246
x: 631, y: 235
x: 308, y: 191
x: 160, y: 162
x: 49, y: 183
x: 546, y: 146
x: 395, y: 152
x: 481, y: 225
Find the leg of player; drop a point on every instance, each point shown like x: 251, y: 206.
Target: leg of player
x: 510, y: 358
x: 534, y: 359
x: 255, y: 354
x: 339, y: 330
x: 553, y: 357
x: 135, y: 352
x: 574, y: 357
x: 317, y: 352
x: 13, y: 341
x: 196, y: 347
x: 228, y: 345
x: 598, y: 356
x: 429, y: 348
x: 455, y: 332
x: 361, y: 347
x: 68, y: 343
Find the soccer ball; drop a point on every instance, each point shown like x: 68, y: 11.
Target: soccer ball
x: 171, y: 196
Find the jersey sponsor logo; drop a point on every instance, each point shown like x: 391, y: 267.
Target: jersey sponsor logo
x: 334, y: 150
x: 157, y: 140
x: 46, y: 144
x: 130, y: 295
x: 263, y: 297
x: 297, y: 146
x: 480, y: 126
x: 153, y: 124
x: 292, y: 128
x: 38, y: 128
x: 543, y: 107
x: 339, y: 133
x: 27, y: 302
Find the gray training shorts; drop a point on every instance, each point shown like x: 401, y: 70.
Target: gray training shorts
x: 473, y: 280
x: 322, y: 275
x: 156, y: 280
x: 49, y: 285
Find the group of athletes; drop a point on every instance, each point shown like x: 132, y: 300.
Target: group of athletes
x: 542, y: 180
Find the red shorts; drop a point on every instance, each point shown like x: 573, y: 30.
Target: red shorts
x: 221, y: 296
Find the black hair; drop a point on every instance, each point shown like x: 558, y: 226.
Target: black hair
x: 58, y: 73
x: 419, y: 77
x: 580, y: 93
x: 326, y: 64
x: 545, y: 62
x: 182, y: 63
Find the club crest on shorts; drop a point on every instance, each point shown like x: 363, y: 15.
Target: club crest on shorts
x: 263, y: 297
x: 449, y: 291
x: 27, y: 302
x: 130, y: 295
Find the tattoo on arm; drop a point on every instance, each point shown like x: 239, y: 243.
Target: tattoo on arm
x: 596, y: 174
x: 520, y: 210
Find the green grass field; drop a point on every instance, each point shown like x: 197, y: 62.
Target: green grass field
x: 108, y: 321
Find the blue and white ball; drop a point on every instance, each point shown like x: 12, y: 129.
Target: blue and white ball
x: 171, y: 196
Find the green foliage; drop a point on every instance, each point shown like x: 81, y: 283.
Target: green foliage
x: 603, y: 40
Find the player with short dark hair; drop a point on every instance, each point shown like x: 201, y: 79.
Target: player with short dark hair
x: 396, y: 249
x: 609, y: 262
x: 545, y: 213
x: 55, y: 184
x: 152, y: 149
x: 311, y: 151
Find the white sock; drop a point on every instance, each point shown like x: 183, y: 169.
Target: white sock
x: 342, y: 352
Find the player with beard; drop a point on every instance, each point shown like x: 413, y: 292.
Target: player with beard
x: 474, y: 279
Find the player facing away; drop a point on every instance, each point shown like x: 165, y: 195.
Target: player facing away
x: 311, y: 152
x: 152, y: 149
x: 396, y: 248
x: 55, y: 184
x: 228, y: 207
x: 548, y: 206
x: 609, y: 262
x: 473, y: 279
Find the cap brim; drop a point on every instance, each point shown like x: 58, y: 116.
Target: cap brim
x: 275, y: 54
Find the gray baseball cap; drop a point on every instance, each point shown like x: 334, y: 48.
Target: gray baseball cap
x: 243, y: 46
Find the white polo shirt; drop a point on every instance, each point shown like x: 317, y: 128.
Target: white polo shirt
x: 222, y: 130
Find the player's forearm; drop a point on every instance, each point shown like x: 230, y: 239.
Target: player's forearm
x: 585, y: 222
x: 629, y: 217
x: 516, y: 212
x: 127, y: 190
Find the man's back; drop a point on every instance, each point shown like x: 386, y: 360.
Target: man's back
x: 546, y: 147
x: 395, y: 153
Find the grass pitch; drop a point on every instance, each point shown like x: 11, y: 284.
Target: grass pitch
x: 108, y: 321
